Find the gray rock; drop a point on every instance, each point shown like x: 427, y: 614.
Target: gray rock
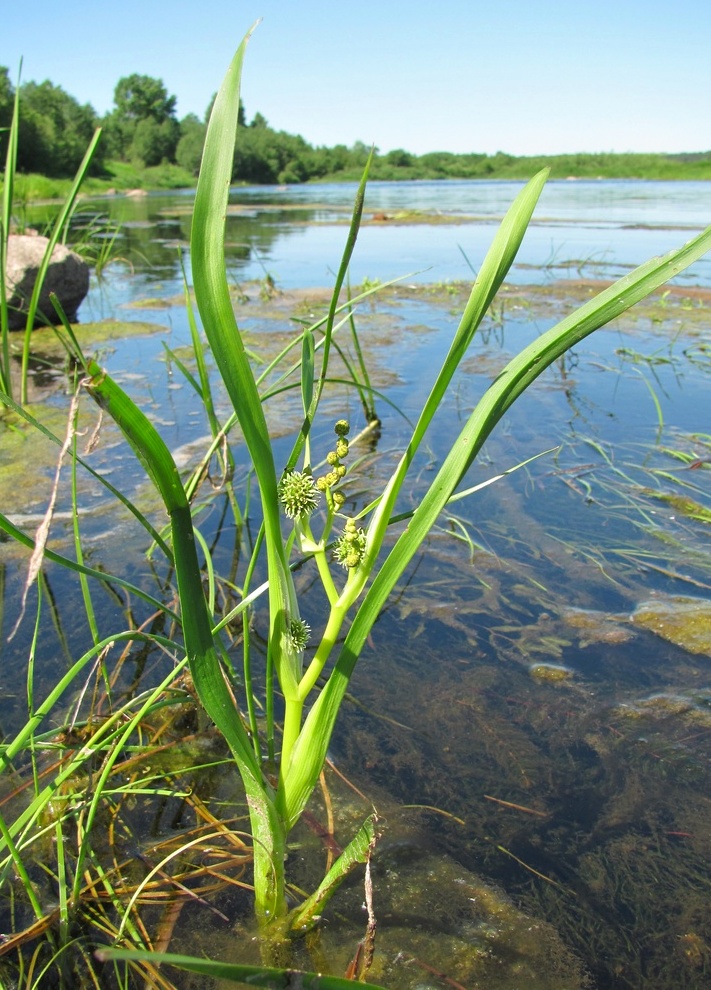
x: 67, y: 276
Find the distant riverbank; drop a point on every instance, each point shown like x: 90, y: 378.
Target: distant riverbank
x: 121, y: 177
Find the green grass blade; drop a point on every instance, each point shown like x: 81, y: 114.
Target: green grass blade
x: 160, y: 467
x: 78, y: 549
x: 5, y: 221
x: 353, y: 229
x: 200, y: 647
x: 20, y: 868
x: 10, y: 750
x: 497, y: 263
x: 307, y: 387
x: 254, y: 976
x: 357, y: 851
x: 300, y: 775
x: 364, y: 386
x: 57, y: 229
x: 206, y: 397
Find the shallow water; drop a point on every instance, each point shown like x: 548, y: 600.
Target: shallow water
x: 552, y: 742
x: 596, y: 228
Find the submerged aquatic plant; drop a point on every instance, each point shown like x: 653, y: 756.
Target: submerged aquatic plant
x: 302, y: 518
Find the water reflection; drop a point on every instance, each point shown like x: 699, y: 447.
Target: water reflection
x: 596, y: 229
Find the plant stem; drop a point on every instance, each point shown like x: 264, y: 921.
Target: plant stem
x: 328, y: 641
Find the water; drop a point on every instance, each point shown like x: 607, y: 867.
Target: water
x: 598, y: 229
x: 512, y: 693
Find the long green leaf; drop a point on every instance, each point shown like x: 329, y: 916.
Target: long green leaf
x: 494, y: 269
x: 215, y: 307
x: 254, y: 976
x: 202, y: 655
x: 299, y: 777
x: 5, y: 221
x: 197, y: 631
x: 42, y: 710
x: 357, y: 851
x: 508, y: 386
x: 54, y: 236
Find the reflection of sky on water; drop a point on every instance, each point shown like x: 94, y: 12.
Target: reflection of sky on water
x: 593, y: 229
x: 432, y: 253
x: 611, y: 202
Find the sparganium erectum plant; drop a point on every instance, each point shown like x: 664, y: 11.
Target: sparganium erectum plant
x: 293, y: 496
x: 301, y: 510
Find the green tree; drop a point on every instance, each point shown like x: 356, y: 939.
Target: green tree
x: 143, y: 125
x: 55, y: 130
x: 399, y: 158
x: 337, y: 158
x: 259, y: 122
x: 188, y: 154
x: 154, y: 142
x: 137, y: 97
x: 263, y: 155
x: 359, y: 153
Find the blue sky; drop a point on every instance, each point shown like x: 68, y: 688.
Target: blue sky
x: 522, y: 76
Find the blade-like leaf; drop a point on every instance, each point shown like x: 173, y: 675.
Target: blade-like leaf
x: 202, y: 654
x: 357, y: 851
x: 215, y: 307
x: 300, y: 775
x: 54, y: 236
x: 5, y: 222
x: 497, y: 263
x: 255, y: 976
x: 513, y: 381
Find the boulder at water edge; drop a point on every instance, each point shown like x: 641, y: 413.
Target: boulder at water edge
x: 67, y: 276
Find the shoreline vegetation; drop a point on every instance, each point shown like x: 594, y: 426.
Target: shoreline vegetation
x: 123, y: 177
x: 144, y: 146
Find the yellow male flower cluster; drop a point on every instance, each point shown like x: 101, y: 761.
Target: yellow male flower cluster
x: 350, y: 547
x: 334, y: 459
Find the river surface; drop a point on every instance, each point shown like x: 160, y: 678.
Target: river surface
x: 599, y: 228
x: 538, y: 691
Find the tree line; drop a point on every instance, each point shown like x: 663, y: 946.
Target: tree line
x: 143, y: 129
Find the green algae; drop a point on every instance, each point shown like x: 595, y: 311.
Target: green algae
x: 28, y: 459
x: 686, y: 622
x: 45, y: 341
x: 150, y: 302
x: 683, y: 504
x: 438, y: 923
x: 550, y: 673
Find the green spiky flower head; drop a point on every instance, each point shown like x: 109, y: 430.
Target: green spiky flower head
x: 299, y: 633
x: 298, y: 494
